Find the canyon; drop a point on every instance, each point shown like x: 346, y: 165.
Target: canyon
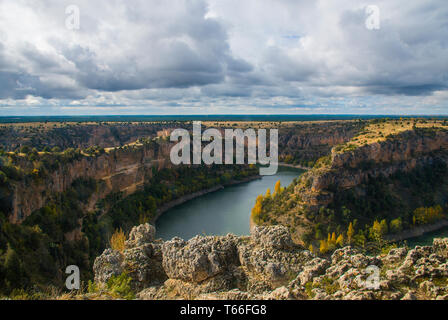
x: 135, y: 182
x: 126, y: 165
x: 118, y: 170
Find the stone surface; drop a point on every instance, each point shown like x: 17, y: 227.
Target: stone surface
x: 140, y: 235
x: 199, y: 258
x: 108, y: 264
x: 267, y: 265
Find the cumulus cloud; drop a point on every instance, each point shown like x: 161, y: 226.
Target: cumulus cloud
x: 255, y: 56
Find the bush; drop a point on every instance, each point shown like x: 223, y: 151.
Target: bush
x: 117, y: 240
x: 3, y: 178
x: 120, y: 286
x: 396, y: 225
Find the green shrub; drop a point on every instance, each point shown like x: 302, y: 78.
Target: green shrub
x: 120, y: 286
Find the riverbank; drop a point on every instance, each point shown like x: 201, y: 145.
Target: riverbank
x: 417, y: 231
x: 174, y: 203
x: 297, y: 166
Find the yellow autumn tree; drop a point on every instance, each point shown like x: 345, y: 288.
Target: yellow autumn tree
x: 323, y: 246
x: 379, y: 229
x: 268, y: 193
x: 277, y: 188
x: 256, y: 210
x: 340, y: 240
x: 311, y: 248
x: 117, y: 240
x: 333, y: 237
x: 376, y: 228
x: 350, y: 232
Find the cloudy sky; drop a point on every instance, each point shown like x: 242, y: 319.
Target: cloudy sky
x: 223, y: 57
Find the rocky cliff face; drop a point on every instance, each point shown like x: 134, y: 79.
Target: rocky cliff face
x: 268, y: 265
x: 310, y: 141
x: 120, y: 170
x: 76, y: 135
x: 349, y: 169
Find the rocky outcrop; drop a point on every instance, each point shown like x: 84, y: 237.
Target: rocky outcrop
x: 141, y: 260
x: 200, y: 258
x: 267, y: 265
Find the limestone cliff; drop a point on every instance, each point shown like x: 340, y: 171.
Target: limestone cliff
x: 306, y: 142
x: 119, y: 170
x: 351, y: 168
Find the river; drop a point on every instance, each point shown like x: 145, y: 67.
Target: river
x: 426, y: 239
x: 227, y: 211
x: 220, y: 212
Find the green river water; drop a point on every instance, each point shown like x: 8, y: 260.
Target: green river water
x: 228, y: 210
x: 220, y: 212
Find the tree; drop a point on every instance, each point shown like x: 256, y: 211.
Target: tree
x: 256, y: 210
x: 340, y: 240
x: 379, y: 229
x: 333, y: 237
x: 14, y: 274
x: 396, y: 225
x: 384, y: 228
x: 350, y: 232
x: 277, y: 188
x: 323, y: 246
x: 376, y: 230
x: 268, y: 193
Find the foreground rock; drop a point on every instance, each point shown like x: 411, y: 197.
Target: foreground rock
x: 268, y: 265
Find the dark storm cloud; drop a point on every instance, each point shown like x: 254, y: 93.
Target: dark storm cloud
x: 168, y: 45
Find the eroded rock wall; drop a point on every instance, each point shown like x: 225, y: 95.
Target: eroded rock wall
x: 121, y: 170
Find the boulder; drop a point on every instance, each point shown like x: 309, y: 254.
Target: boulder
x: 441, y: 246
x: 276, y: 237
x: 140, y: 235
x: 199, y: 258
x: 108, y: 264
x: 314, y: 268
x: 144, y: 265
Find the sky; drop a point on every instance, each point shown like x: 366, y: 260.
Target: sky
x: 155, y: 57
